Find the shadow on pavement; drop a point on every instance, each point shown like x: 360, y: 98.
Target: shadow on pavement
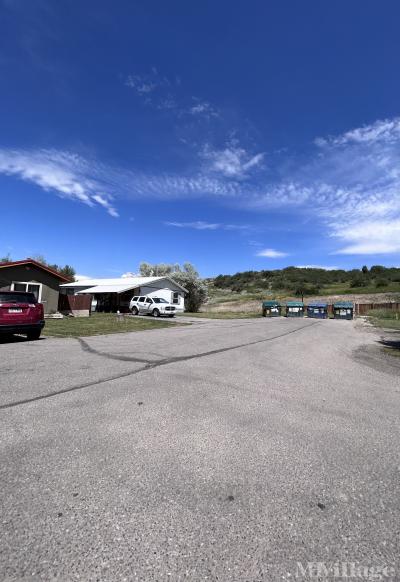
x: 392, y: 344
x: 15, y: 339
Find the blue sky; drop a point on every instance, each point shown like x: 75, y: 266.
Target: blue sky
x: 235, y: 135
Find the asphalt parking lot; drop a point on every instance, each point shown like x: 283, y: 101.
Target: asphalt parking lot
x: 226, y: 450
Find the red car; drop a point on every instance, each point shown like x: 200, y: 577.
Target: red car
x: 21, y: 313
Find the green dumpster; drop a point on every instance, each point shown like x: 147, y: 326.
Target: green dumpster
x: 271, y: 308
x: 294, y: 309
x: 343, y: 310
x: 317, y: 310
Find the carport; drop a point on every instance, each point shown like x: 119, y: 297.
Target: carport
x: 111, y: 298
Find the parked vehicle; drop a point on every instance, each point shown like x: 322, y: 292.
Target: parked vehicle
x: 21, y: 313
x: 156, y: 306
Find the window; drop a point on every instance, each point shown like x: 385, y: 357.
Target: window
x: 148, y: 300
x: 175, y: 297
x: 17, y: 298
x: 35, y: 288
x: 141, y: 299
x: 135, y: 298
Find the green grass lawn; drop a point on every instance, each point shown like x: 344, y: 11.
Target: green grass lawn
x: 386, y: 318
x: 222, y: 315
x: 98, y: 324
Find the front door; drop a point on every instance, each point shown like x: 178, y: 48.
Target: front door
x: 148, y: 305
x: 141, y: 304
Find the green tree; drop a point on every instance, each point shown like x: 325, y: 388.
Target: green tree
x: 300, y: 290
x: 358, y: 282
x: 146, y: 269
x: 197, y: 288
x: 6, y: 258
x: 157, y: 270
x: 67, y: 270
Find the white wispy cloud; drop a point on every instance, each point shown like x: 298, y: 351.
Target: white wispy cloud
x: 153, y: 89
x: 203, y: 109
x: 350, y: 184
x: 163, y: 93
x: 232, y: 161
x: 105, y: 203
x: 66, y: 174
x: 387, y: 130
x: 94, y: 183
x: 363, y: 169
x: 271, y: 254
x: 197, y: 225
x: 141, y: 86
x: 370, y: 237
x: 202, y: 225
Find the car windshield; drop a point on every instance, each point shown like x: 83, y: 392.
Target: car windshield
x: 159, y: 300
x: 17, y: 298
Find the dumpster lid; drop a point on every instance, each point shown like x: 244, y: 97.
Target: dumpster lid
x: 295, y: 304
x: 343, y: 305
x: 271, y: 303
x: 318, y: 304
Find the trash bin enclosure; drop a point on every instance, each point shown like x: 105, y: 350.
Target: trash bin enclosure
x: 317, y: 310
x: 271, y: 309
x: 294, y: 309
x: 343, y: 310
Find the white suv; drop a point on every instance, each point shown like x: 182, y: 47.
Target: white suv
x: 154, y: 305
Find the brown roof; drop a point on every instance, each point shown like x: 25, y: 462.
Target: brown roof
x: 30, y: 261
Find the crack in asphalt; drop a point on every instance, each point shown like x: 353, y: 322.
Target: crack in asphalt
x: 149, y: 366
x: 87, y: 348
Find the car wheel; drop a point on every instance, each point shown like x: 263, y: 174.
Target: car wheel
x: 33, y: 335
x: 156, y: 313
x: 135, y: 310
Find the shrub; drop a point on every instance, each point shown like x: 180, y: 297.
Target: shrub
x: 358, y: 282
x: 382, y: 283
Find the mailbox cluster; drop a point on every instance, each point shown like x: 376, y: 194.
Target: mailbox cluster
x: 316, y: 310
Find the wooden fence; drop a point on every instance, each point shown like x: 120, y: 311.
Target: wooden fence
x: 77, y: 305
x: 364, y: 308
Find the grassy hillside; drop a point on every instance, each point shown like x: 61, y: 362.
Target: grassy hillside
x: 297, y: 281
x: 244, y: 291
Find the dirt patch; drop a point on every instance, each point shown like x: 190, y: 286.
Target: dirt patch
x: 382, y: 355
